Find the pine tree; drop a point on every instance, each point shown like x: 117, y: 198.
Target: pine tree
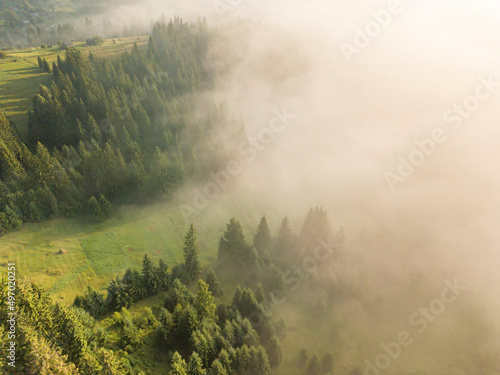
x: 178, y: 366
x: 162, y: 274
x: 46, y: 66
x: 166, y: 325
x: 303, y: 358
x: 263, y: 240
x: 274, y: 351
x: 217, y: 368
x: 314, y: 366
x: 286, y: 247
x: 204, y: 303
x: 259, y: 293
x: 191, y: 263
x: 150, y: 282
x: 94, y: 209
x: 233, y: 248
x: 327, y: 363
x: 316, y: 226
x: 195, y: 366
x: 42, y: 358
x: 102, y: 362
x: 55, y: 70
x: 105, y: 207
x: 213, y: 283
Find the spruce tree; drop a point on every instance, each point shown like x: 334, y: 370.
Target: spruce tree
x: 316, y: 226
x: 94, y: 209
x: 204, y: 303
x: 150, y: 282
x: 213, y: 283
x: 274, y: 351
x: 105, y: 207
x: 327, y: 363
x: 46, y: 66
x: 233, y: 249
x: 314, y: 365
x: 263, y: 240
x: 191, y: 263
x: 217, y: 368
x: 178, y: 365
x: 44, y: 358
x: 195, y: 366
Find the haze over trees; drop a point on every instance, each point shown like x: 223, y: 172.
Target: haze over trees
x: 136, y: 120
x: 196, y: 334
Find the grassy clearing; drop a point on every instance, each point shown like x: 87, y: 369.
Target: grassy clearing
x: 19, y: 81
x: 20, y: 76
x: 98, y: 252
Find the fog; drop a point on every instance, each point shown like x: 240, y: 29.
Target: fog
x: 356, y: 123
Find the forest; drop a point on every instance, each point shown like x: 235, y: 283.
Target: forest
x: 110, y: 132
x: 196, y: 334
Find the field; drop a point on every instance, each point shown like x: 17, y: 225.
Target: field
x: 20, y: 76
x: 98, y: 252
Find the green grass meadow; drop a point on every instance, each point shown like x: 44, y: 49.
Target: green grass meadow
x: 98, y: 252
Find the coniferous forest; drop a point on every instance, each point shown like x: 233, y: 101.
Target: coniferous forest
x: 236, y: 187
x: 109, y: 132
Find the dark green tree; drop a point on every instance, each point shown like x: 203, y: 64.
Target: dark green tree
x: 263, y: 241
x: 204, y: 302
x: 178, y: 366
x: 316, y: 226
x: 191, y: 263
x: 274, y: 351
x: 46, y: 66
x: 195, y: 366
x: 327, y: 363
x: 314, y: 365
x: 233, y: 249
x: 105, y: 207
x: 149, y: 275
x: 303, y: 358
x: 213, y: 283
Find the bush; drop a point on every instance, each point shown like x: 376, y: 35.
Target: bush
x: 95, y: 41
x: 131, y: 337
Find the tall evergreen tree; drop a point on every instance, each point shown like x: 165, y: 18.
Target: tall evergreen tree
x: 204, y: 303
x: 274, y: 351
x: 178, y: 366
x: 213, y: 283
x: 263, y: 240
x: 195, y: 366
x: 149, y: 276
x: 191, y: 263
x: 316, y: 226
x: 233, y: 248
